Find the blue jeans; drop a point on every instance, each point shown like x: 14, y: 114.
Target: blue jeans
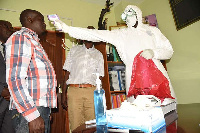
x: 21, y: 124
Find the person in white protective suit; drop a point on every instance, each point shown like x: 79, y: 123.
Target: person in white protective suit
x: 129, y: 41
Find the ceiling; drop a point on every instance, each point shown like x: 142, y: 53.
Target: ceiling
x: 103, y: 2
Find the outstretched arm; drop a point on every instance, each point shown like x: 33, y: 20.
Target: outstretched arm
x: 89, y: 34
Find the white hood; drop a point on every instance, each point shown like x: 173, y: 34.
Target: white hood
x: 138, y: 14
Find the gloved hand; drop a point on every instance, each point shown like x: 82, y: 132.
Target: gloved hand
x: 60, y: 26
x: 147, y: 54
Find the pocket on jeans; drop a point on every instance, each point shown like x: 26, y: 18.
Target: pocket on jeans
x: 15, y: 118
x: 20, y: 124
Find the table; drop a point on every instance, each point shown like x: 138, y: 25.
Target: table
x: 170, y: 120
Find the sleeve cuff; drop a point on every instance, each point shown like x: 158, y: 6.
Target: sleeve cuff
x: 31, y: 114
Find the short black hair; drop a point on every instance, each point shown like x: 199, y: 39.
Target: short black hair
x: 27, y: 13
x: 2, y: 22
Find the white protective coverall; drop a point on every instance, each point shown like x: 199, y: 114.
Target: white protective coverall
x: 129, y: 42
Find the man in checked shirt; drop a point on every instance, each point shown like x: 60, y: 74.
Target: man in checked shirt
x: 30, y: 76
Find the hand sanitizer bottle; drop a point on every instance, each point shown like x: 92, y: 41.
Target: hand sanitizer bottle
x: 99, y: 103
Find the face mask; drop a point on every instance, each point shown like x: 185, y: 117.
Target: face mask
x: 131, y: 21
x: 128, y: 13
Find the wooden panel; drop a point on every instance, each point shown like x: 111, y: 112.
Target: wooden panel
x: 105, y: 81
x: 52, y: 43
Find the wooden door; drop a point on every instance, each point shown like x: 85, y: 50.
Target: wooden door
x: 101, y: 46
x: 52, y: 44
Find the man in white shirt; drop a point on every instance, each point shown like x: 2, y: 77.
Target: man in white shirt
x: 80, y: 65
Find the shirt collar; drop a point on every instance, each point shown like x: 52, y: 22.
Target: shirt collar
x: 89, y: 48
x: 2, y: 44
x: 31, y: 32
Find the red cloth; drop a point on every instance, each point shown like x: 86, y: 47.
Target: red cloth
x: 147, y: 79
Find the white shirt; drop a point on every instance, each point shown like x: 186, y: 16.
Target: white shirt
x: 82, y: 63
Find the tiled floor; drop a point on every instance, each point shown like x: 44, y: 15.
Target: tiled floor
x: 188, y: 118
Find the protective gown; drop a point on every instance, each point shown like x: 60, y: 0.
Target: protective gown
x: 129, y: 42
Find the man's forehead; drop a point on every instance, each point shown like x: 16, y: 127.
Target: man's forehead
x: 38, y: 16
